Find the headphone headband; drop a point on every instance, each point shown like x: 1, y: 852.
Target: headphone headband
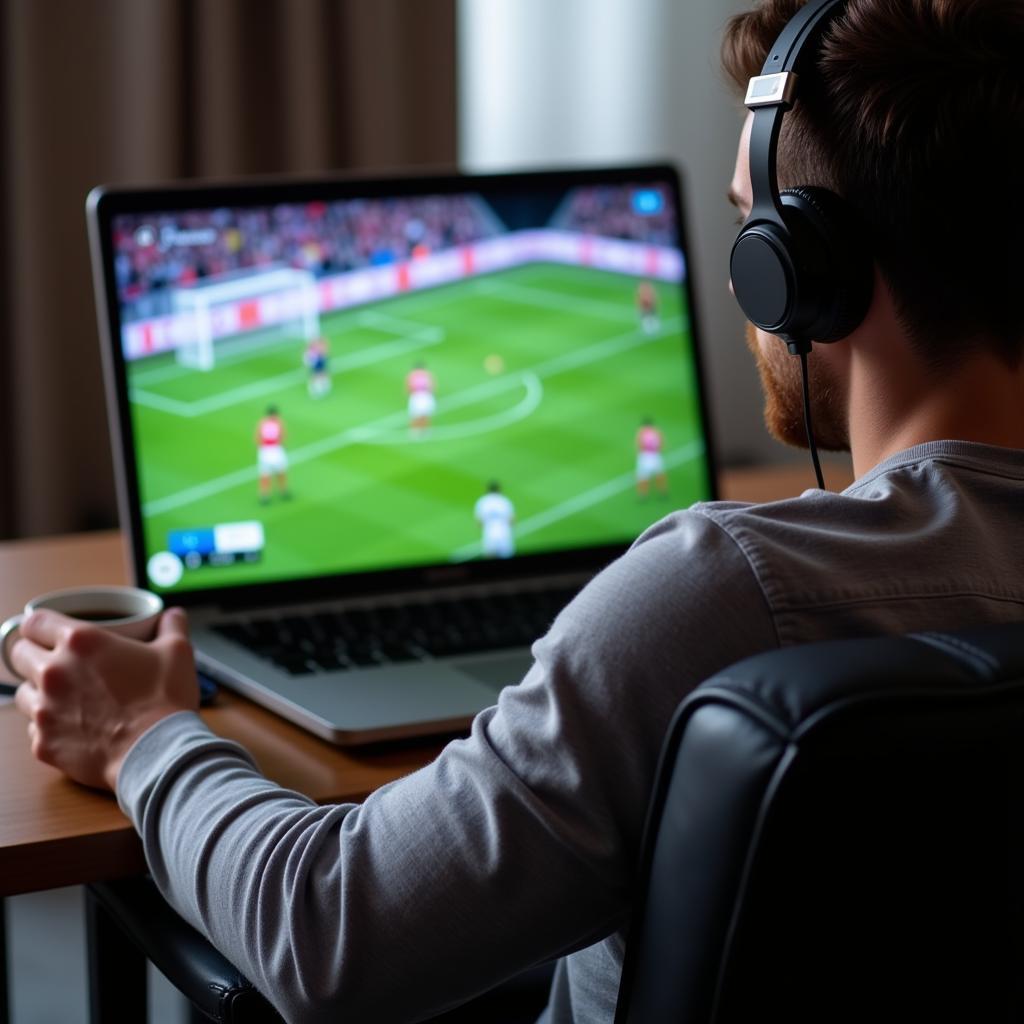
x: 772, y: 93
x: 799, y: 266
x: 803, y: 26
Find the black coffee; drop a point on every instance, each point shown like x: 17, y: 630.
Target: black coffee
x: 99, y: 615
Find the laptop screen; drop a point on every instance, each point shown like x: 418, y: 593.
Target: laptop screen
x: 320, y: 380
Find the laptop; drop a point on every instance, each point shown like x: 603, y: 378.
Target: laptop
x: 374, y: 434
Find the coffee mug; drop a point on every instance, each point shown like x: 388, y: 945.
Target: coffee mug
x: 128, y: 611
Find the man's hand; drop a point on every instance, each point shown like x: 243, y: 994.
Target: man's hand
x: 89, y: 694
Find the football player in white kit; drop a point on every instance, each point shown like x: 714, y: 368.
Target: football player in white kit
x: 271, y: 458
x: 496, y: 514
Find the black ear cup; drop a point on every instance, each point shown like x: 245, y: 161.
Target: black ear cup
x: 833, y: 268
x: 763, y: 275
x: 812, y: 279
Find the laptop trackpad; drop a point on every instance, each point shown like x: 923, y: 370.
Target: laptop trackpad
x: 498, y: 671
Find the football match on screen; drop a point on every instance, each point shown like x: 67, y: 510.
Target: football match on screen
x: 362, y: 384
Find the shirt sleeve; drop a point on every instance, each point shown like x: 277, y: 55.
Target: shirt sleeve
x: 516, y: 845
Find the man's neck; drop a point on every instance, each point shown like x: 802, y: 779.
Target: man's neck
x: 896, y: 403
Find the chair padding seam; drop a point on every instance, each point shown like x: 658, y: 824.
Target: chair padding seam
x: 978, y: 659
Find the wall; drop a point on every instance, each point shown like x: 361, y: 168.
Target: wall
x: 122, y: 91
x: 586, y: 82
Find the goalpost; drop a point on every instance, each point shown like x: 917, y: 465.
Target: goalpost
x: 243, y: 305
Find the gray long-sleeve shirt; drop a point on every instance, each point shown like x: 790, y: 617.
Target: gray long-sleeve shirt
x: 517, y: 844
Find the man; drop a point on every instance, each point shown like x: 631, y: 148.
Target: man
x: 518, y: 844
x: 271, y: 458
x: 315, y: 356
x: 650, y: 462
x: 647, y: 307
x: 496, y: 514
x: 419, y: 385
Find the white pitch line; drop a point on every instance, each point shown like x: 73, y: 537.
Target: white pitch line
x: 367, y: 433
x: 579, y: 502
x: 571, y: 360
x: 454, y: 431
x: 251, y: 349
x: 432, y: 297
x: 273, y: 385
x: 160, y: 402
x: 531, y: 296
x: 354, y: 317
x: 391, y: 324
x: 609, y: 347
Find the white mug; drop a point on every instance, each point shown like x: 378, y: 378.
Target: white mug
x: 128, y: 611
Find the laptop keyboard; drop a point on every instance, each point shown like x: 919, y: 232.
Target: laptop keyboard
x: 330, y: 640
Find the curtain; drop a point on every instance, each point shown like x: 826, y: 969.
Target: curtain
x: 139, y: 91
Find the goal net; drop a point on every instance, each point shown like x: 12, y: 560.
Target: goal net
x: 243, y: 309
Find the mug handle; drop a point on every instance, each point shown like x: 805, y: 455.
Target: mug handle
x: 8, y: 634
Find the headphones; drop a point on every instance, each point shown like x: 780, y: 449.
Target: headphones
x: 799, y: 266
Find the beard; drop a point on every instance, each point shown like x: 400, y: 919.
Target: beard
x: 783, y: 398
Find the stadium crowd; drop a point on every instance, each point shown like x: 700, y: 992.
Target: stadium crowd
x: 154, y: 255
x: 621, y: 211
x: 324, y: 238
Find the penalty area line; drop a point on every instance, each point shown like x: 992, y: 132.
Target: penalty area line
x: 572, y: 360
x: 382, y: 431
x: 242, y: 350
x: 273, y: 385
x: 544, y: 298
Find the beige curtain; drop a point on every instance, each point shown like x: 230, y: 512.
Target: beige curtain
x: 112, y: 91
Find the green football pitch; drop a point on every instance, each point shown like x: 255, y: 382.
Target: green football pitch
x: 553, y: 419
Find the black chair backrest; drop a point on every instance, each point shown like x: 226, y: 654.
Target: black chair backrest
x: 837, y: 833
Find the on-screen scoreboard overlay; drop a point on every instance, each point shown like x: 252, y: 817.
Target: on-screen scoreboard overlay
x: 333, y: 383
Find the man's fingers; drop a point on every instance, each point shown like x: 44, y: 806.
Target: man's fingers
x: 28, y: 658
x: 173, y: 622
x: 26, y: 700
x: 47, y: 628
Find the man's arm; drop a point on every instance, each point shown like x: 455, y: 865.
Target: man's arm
x: 516, y: 845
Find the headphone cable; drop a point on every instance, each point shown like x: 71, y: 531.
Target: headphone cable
x: 807, y: 419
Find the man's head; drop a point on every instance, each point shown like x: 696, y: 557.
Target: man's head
x: 913, y: 113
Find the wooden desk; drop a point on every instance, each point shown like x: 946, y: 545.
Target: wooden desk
x: 54, y: 832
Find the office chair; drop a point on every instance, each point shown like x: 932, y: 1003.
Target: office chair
x: 836, y: 833
x: 128, y: 922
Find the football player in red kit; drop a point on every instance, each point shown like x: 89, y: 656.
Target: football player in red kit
x: 647, y: 307
x: 419, y: 383
x: 649, y: 461
x: 271, y: 457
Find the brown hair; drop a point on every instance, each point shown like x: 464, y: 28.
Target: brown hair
x: 915, y: 114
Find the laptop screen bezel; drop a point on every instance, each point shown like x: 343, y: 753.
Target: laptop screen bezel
x: 107, y: 202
